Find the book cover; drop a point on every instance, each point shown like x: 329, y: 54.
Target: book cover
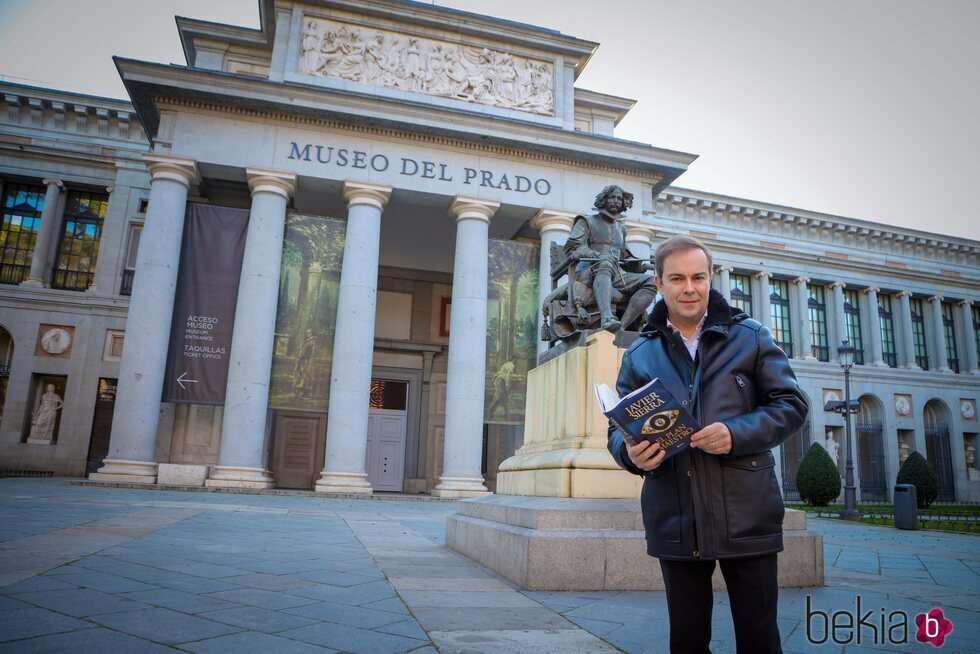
x: 649, y: 413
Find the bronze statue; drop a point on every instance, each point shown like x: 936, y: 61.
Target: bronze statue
x: 607, y: 277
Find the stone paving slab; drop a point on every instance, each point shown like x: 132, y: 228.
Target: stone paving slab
x: 96, y: 569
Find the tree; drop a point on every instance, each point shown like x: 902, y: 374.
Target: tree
x: 917, y: 471
x: 818, y: 480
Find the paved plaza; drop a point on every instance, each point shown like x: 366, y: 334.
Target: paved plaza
x: 94, y: 569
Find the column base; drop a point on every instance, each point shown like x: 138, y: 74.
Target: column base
x: 239, y: 477
x: 460, y: 487
x: 135, y: 472
x: 34, y: 283
x: 343, y: 482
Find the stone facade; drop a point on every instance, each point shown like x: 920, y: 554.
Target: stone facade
x: 424, y: 164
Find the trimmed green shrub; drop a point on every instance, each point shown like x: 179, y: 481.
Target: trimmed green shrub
x: 917, y: 471
x: 818, y: 480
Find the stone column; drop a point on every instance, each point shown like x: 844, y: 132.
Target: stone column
x: 46, y: 236
x: 939, y: 335
x: 874, y: 326
x: 725, y: 282
x: 802, y: 321
x: 639, y: 239
x: 840, y: 322
x: 555, y: 226
x: 462, y: 451
x: 762, y: 308
x: 344, y: 469
x: 241, y: 462
x: 151, y: 306
x: 908, y: 344
x: 970, y: 355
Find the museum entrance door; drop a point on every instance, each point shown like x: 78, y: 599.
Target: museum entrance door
x: 387, y: 423
x: 98, y: 445
x: 298, y: 455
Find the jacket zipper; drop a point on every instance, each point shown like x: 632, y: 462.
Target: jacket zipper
x: 741, y: 392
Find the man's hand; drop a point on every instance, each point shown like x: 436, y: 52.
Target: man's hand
x: 713, y: 439
x: 645, y: 455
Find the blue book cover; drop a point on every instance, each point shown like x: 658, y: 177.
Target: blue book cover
x: 649, y: 413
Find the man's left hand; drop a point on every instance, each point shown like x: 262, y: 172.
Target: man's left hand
x: 713, y: 439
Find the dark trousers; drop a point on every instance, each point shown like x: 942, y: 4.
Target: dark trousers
x: 752, y: 593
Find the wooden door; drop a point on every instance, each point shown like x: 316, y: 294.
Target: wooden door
x: 298, y: 455
x: 387, y: 423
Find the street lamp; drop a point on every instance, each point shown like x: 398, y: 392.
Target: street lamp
x: 845, y: 354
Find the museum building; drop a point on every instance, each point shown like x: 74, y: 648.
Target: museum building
x: 314, y: 257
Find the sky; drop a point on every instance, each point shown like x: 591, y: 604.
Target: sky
x: 861, y: 108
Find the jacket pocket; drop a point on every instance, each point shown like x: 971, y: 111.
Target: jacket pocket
x: 753, y: 504
x: 660, y: 501
x: 744, y: 392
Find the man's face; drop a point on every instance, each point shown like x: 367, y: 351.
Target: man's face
x: 684, y: 284
x: 614, y: 201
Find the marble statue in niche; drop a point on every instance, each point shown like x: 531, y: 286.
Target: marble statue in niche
x: 44, y: 419
x: 408, y: 63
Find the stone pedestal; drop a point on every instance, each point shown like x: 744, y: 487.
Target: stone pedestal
x: 547, y: 544
x: 173, y: 474
x: 564, y: 452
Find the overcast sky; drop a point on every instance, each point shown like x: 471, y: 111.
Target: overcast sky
x: 861, y: 108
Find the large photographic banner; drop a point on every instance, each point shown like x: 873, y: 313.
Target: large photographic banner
x: 204, y: 305
x: 306, y: 318
x: 512, y: 329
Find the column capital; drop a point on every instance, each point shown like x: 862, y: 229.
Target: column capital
x: 49, y: 181
x: 801, y: 280
x: 763, y: 274
x: 176, y: 169
x: 870, y: 290
x: 727, y: 269
x: 110, y: 189
x: 965, y: 303
x: 936, y: 298
x: 553, y: 219
x: 836, y: 284
x: 903, y: 294
x: 466, y: 207
x: 635, y: 230
x: 262, y: 180
x: 375, y: 195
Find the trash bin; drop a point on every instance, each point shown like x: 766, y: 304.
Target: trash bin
x: 906, y: 507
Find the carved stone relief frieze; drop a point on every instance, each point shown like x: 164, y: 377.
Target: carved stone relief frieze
x: 450, y: 70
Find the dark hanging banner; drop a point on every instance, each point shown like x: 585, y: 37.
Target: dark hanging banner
x: 204, y: 306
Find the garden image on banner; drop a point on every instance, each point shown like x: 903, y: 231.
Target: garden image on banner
x: 512, y: 329
x: 306, y: 316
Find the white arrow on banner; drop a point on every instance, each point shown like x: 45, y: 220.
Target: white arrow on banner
x: 180, y: 380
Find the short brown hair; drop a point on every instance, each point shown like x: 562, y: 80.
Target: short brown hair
x: 676, y: 244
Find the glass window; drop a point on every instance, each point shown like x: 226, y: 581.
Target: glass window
x: 742, y: 292
x: 919, y: 333
x: 852, y: 321
x: 79, y: 248
x: 976, y: 328
x: 22, y: 207
x: 949, y: 333
x: 817, y: 308
x: 779, y: 312
x: 886, y: 322
x: 129, y: 269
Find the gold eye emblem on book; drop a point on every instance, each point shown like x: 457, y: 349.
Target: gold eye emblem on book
x: 659, y: 422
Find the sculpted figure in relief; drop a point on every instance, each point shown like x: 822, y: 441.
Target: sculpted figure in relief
x: 412, y: 64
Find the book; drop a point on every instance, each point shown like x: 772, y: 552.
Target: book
x: 649, y: 413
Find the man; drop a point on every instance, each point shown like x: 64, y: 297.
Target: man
x: 719, y: 500
x: 601, y: 237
